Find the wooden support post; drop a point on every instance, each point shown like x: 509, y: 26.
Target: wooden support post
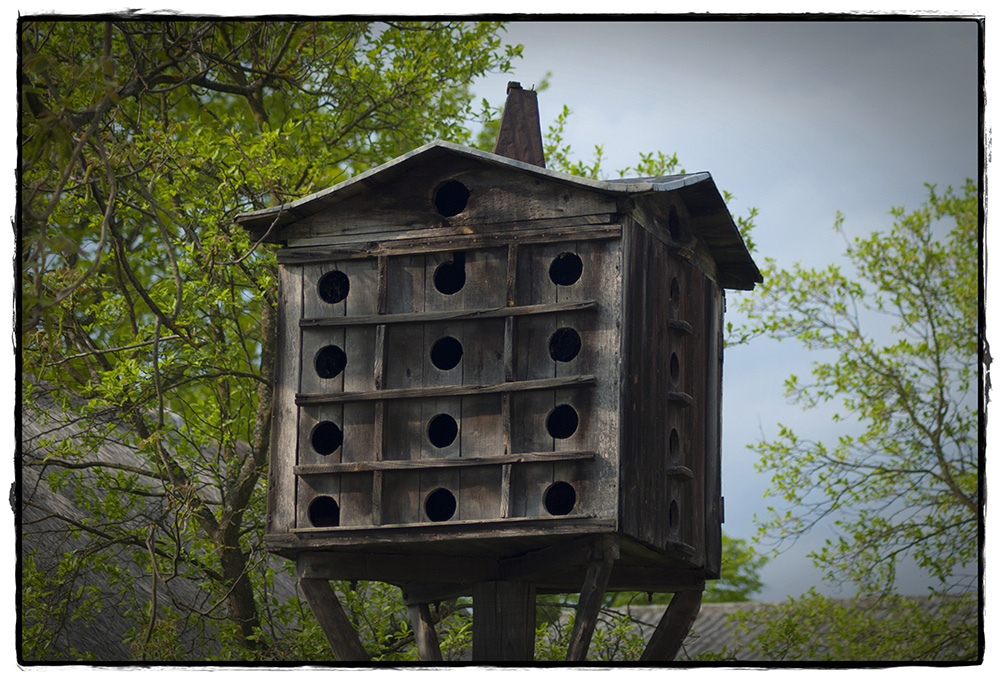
x: 674, y: 626
x: 343, y: 638
x: 503, y: 621
x: 595, y: 583
x: 423, y: 632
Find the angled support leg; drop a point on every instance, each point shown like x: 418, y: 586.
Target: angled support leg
x: 343, y: 638
x: 423, y: 631
x: 594, y: 585
x: 674, y: 626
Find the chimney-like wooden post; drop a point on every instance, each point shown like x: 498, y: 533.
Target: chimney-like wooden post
x: 520, y: 135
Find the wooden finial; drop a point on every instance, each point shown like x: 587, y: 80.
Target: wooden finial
x: 520, y: 135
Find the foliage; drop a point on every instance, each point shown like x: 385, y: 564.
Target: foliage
x: 897, y: 334
x: 891, y: 629
x: 141, y: 304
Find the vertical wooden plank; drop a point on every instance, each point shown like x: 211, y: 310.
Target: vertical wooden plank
x: 668, y: 637
x: 403, y: 430
x: 715, y: 303
x: 341, y: 635
x: 503, y: 621
x: 531, y: 410
x: 378, y: 435
x: 281, y: 486
x: 428, y: 648
x: 443, y: 291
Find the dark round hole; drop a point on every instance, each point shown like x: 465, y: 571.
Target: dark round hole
x: 673, y: 515
x: 446, y: 353
x: 674, y: 225
x: 326, y: 437
x: 564, y: 344
x: 566, y: 269
x: 449, y: 277
x: 334, y: 286
x: 440, y: 505
x: 675, y: 367
x: 451, y: 198
x: 675, y: 292
x: 674, y: 445
x: 330, y: 362
x: 324, y: 512
x: 442, y: 430
x: 559, y: 498
x: 562, y: 421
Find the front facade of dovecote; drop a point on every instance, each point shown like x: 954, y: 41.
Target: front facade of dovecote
x: 480, y: 359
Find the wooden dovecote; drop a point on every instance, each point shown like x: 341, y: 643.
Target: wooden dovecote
x: 497, y: 378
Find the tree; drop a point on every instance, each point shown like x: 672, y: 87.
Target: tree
x: 142, y: 305
x: 902, y: 481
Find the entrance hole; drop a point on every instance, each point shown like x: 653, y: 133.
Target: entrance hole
x: 442, y: 430
x: 451, y: 198
x: 446, y: 353
x: 326, y: 437
x: 564, y: 344
x: 334, y: 286
x: 673, y: 515
x: 566, y: 268
x: 562, y: 422
x: 440, y: 505
x: 324, y: 512
x: 330, y: 362
x: 559, y: 498
x: 449, y: 277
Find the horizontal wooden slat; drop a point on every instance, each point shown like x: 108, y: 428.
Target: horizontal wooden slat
x: 447, y: 390
x: 437, y: 463
x: 327, y: 248
x: 428, y: 531
x: 451, y: 315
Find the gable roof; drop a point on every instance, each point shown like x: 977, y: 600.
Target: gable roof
x: 711, y: 220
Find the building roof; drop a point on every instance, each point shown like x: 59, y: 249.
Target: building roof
x: 710, y: 217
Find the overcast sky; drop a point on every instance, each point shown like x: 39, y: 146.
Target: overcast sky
x: 799, y: 119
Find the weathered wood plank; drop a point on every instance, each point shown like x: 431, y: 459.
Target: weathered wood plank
x: 418, y: 241
x: 668, y: 637
x: 447, y: 390
x: 503, y: 621
x: 281, y: 486
x: 431, y: 463
x: 449, y: 315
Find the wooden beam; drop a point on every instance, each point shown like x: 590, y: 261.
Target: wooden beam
x: 441, y: 462
x: 673, y: 627
x: 594, y: 585
x: 341, y: 635
x: 520, y: 134
x: 423, y: 632
x: 448, y: 390
x: 503, y: 621
x: 449, y: 315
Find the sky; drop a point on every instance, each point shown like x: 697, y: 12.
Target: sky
x: 799, y: 119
